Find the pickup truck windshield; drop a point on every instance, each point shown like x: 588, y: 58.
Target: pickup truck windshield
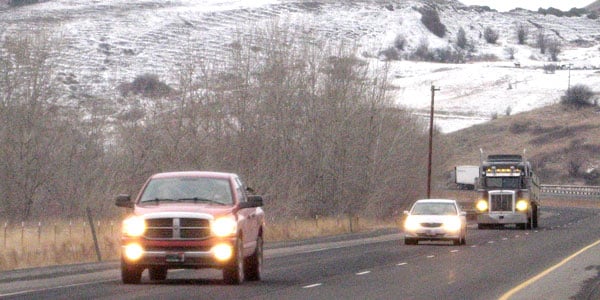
x: 188, y: 189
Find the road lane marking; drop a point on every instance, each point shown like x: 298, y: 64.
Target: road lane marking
x: 402, y: 264
x: 430, y: 256
x: 312, y: 285
x: 545, y: 272
x: 55, y: 288
x: 453, y: 251
x: 363, y: 273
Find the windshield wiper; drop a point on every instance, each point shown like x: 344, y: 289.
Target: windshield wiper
x: 157, y: 200
x: 199, y: 199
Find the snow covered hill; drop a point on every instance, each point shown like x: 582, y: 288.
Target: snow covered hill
x: 111, y: 42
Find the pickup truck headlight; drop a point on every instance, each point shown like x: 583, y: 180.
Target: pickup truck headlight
x: 134, y: 226
x: 522, y: 205
x: 224, y: 226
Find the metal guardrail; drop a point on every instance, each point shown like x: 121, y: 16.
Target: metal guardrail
x: 571, y: 190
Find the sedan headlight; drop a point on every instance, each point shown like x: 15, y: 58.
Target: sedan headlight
x: 134, y: 226
x: 522, y: 205
x: 224, y: 226
x: 452, y: 224
x: 482, y: 205
x: 410, y: 224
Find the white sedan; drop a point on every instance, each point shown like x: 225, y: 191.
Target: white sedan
x: 435, y: 220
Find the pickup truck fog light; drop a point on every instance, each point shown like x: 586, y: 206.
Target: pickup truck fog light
x: 222, y: 252
x: 133, y: 251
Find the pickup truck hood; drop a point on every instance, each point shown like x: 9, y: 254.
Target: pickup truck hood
x: 184, y: 208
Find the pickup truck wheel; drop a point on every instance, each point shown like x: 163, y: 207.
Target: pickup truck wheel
x: 130, y: 274
x: 158, y: 273
x: 254, y: 262
x: 234, y: 273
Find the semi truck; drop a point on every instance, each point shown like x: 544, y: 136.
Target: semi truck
x: 465, y: 176
x: 509, y: 192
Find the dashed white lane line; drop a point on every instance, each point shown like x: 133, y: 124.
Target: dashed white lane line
x: 454, y: 251
x: 430, y: 256
x: 56, y: 288
x: 363, y: 273
x: 310, y: 286
x: 402, y: 264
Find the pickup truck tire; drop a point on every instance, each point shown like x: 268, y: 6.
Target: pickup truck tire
x: 157, y: 273
x: 130, y: 274
x: 254, y: 262
x: 234, y: 272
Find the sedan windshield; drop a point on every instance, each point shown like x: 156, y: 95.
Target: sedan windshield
x: 442, y: 209
x: 188, y: 189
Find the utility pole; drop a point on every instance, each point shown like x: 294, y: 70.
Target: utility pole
x: 433, y: 89
x: 569, y: 86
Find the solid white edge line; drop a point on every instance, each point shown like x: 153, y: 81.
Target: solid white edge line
x: 545, y: 272
x: 55, y: 288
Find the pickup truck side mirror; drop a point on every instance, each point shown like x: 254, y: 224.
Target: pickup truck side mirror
x: 124, y: 200
x: 253, y: 201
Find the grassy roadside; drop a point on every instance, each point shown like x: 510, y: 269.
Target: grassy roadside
x: 69, y: 242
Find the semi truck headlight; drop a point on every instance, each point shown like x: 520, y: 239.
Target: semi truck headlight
x: 222, y: 252
x: 224, y: 226
x: 522, y: 205
x: 481, y: 205
x: 411, y: 224
x: 133, y: 251
x: 134, y: 226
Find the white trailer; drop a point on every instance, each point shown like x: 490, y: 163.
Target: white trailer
x: 466, y: 176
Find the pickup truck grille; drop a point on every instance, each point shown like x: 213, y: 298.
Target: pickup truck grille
x: 177, y: 229
x: 501, y: 202
x: 431, y: 225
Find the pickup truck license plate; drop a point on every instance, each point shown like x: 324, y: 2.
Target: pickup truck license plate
x: 175, y: 257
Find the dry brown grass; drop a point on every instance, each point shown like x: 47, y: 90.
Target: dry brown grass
x: 56, y: 243
x: 64, y: 242
x: 303, y: 229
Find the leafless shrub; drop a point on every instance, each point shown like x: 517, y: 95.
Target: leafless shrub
x: 522, y: 34
x: 554, y: 48
x: 550, y: 68
x: 579, y: 95
x: 490, y: 35
x: 431, y: 19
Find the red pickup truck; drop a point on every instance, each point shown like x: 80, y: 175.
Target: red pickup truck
x: 192, y: 220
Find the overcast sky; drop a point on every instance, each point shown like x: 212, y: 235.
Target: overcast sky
x: 506, y: 5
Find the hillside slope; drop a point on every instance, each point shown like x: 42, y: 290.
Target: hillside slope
x: 562, y: 143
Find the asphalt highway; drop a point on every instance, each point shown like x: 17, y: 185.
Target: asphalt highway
x: 559, y: 260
